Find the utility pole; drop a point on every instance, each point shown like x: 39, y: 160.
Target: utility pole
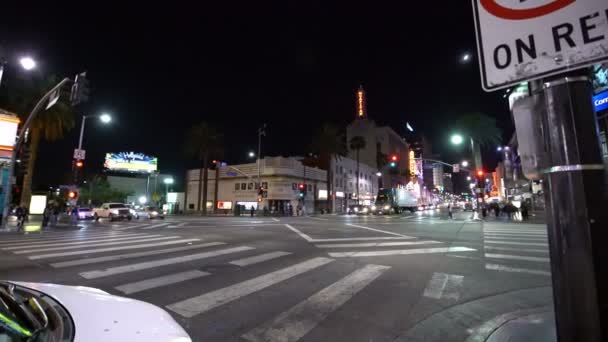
x: 261, y: 132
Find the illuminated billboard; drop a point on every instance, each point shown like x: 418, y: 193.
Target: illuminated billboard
x: 8, y: 131
x: 130, y: 162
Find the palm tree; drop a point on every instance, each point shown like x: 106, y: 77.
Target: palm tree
x: 482, y: 130
x: 49, y: 125
x: 357, y: 143
x: 329, y: 143
x: 203, y: 142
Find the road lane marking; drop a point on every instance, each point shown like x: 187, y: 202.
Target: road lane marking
x: 515, y: 232
x: 139, y: 236
x: 293, y: 324
x: 205, y: 302
x: 443, y: 285
x: 531, y: 250
x: 179, y: 225
x: 48, y: 249
x: 401, y: 252
x: 516, y: 257
x: 132, y: 227
x: 157, y: 225
x: 316, y: 218
x: 514, y: 237
x: 56, y: 238
x: 159, y: 263
x: 496, y: 242
x: 132, y: 255
x: 152, y: 283
x: 302, y: 235
x: 275, y: 219
x: 379, y: 230
x: 376, y: 244
x: 111, y: 249
x: 371, y: 238
x: 503, y: 268
x: 259, y: 258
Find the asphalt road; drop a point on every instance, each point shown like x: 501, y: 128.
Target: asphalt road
x: 417, y: 277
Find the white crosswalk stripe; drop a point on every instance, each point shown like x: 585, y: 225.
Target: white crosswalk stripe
x: 114, y: 243
x: 518, y: 248
x: 161, y: 262
x: 443, y: 285
x: 401, y: 252
x: 157, y: 225
x: 377, y: 244
x: 205, y: 302
x: 296, y: 322
x: 111, y: 249
x: 160, y: 281
x: 71, y: 243
x: 57, y: 238
x: 259, y: 258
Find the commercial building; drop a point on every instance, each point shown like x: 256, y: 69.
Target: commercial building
x: 232, y: 185
x: 437, y: 176
x: 344, y: 183
x: 381, y: 142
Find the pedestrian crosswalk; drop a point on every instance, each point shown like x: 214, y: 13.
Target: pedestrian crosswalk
x: 143, y: 263
x: 517, y: 248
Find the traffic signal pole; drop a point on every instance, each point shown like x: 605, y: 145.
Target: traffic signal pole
x: 577, y: 202
x: 11, y: 167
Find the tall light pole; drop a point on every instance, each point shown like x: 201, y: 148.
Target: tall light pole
x: 167, y: 181
x: 79, y: 156
x: 261, y: 132
x: 27, y: 63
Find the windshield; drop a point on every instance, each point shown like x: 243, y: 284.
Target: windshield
x: 28, y: 315
x: 117, y: 206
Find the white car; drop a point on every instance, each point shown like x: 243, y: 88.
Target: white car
x: 112, y: 211
x: 150, y: 213
x: 49, y: 312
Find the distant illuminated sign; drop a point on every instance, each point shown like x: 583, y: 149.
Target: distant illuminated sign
x: 339, y: 194
x: 600, y: 101
x: 322, y: 194
x: 131, y: 162
x: 224, y: 205
x: 8, y: 131
x: 361, y: 103
x: 172, y: 197
x: 412, y: 163
x: 37, y: 204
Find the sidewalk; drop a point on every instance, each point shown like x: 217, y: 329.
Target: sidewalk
x: 538, y: 327
x: 536, y: 217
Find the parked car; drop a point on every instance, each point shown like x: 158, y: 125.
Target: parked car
x: 358, y: 210
x: 112, y: 211
x: 85, y: 214
x: 50, y: 312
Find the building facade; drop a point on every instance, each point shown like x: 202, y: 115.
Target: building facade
x: 238, y: 184
x: 344, y: 183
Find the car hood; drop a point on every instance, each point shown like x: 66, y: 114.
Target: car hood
x: 100, y: 316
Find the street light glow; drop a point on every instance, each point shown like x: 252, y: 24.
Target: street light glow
x: 499, y: 148
x: 168, y: 180
x: 142, y: 199
x: 465, y: 58
x: 105, y: 118
x: 27, y: 63
x: 251, y: 154
x: 457, y: 139
x: 379, y: 174
x: 464, y: 163
x: 468, y: 178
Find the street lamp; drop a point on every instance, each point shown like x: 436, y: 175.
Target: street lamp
x: 379, y: 174
x: 468, y: 178
x: 167, y: 181
x: 251, y: 154
x: 464, y: 163
x: 105, y: 118
x: 456, y: 139
x: 142, y: 200
x: 465, y: 58
x: 27, y: 63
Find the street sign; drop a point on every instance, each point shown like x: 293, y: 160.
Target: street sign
x: 456, y: 168
x: 524, y: 40
x: 53, y: 99
x: 79, y: 154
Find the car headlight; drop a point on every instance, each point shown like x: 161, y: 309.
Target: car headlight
x: 365, y: 210
x: 115, y: 212
x: 387, y: 207
x: 356, y: 209
x: 154, y: 213
x: 420, y: 208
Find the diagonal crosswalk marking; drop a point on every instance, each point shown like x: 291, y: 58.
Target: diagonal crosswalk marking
x: 498, y: 267
x: 158, y: 263
x: 443, y: 285
x: 400, y: 252
x: 111, y: 249
x: 259, y: 258
x: 179, y: 225
x: 132, y: 227
x: 139, y: 236
x: 380, y: 230
x: 377, y: 244
x: 500, y: 242
x: 516, y: 257
x: 101, y: 244
x: 156, y: 226
x: 205, y: 302
x: 88, y: 261
x: 361, y: 239
x: 160, y: 281
x: 296, y: 322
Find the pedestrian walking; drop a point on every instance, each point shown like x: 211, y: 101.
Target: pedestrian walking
x: 252, y: 209
x: 46, y: 216
x: 54, y: 215
x: 496, y: 210
x: 450, y: 211
x: 524, y: 211
x: 19, y: 213
x: 74, y: 216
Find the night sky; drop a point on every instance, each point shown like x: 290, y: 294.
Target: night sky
x: 292, y: 65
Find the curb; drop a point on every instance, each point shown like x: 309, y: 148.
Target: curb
x: 484, y: 331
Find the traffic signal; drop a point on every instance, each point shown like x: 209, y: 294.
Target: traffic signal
x: 79, y: 164
x: 80, y: 89
x: 72, y: 194
x: 480, y: 173
x: 394, y: 158
x: 302, y: 189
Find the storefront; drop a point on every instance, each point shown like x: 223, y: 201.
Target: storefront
x: 600, y: 103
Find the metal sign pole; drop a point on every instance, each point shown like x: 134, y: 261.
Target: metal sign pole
x: 576, y: 200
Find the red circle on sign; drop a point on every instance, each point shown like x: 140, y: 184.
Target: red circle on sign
x: 518, y: 14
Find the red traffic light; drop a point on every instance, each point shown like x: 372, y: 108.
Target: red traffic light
x: 394, y: 157
x: 301, y: 186
x: 79, y: 164
x: 72, y: 194
x: 479, y: 173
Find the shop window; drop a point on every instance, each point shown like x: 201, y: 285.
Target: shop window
x: 191, y: 206
x: 294, y: 186
x: 265, y: 185
x: 237, y: 186
x: 309, y: 187
x: 243, y: 186
x: 250, y: 186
